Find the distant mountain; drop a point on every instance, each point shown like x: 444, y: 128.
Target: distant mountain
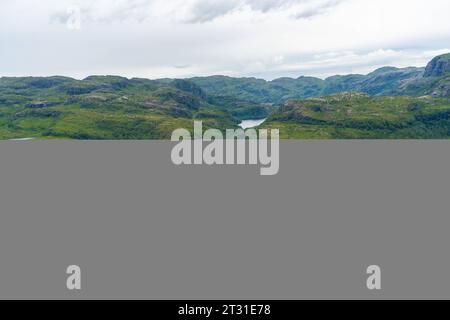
x: 438, y: 67
x: 385, y: 81
x: 387, y: 103
x: 432, y: 80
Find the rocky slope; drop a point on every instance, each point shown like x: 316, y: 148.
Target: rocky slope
x: 360, y: 116
x: 438, y: 67
x: 109, y: 107
x: 389, y: 102
x: 431, y: 80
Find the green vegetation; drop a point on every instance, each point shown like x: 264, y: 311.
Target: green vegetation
x: 384, y: 81
x: 389, y: 103
x: 359, y: 116
x: 388, y: 81
x: 112, y: 108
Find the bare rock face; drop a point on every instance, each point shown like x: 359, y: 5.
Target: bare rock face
x: 442, y: 89
x: 438, y: 67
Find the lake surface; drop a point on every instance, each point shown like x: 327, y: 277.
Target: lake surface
x: 23, y: 139
x: 247, y: 124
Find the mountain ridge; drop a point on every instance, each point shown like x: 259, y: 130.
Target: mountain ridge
x: 387, y: 80
x: 388, y: 102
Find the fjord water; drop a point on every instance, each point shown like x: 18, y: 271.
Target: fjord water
x: 247, y: 124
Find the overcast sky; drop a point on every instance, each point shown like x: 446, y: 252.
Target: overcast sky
x: 183, y: 38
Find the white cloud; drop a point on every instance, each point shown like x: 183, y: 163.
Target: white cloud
x: 207, y: 10
x: 178, y: 38
x: 191, y: 11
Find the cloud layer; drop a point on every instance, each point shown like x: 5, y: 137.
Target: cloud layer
x: 191, y: 11
x: 206, y: 10
x: 182, y: 38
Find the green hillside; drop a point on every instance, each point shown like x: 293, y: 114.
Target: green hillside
x: 386, y: 81
x: 389, y: 103
x: 359, y: 116
x: 111, y: 108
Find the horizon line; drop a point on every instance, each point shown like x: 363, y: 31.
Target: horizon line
x: 209, y: 76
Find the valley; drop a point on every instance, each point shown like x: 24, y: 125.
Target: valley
x: 389, y: 103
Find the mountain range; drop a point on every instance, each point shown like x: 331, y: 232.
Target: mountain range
x: 430, y: 80
x: 387, y: 103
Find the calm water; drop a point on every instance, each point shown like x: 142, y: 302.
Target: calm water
x: 247, y: 124
x: 23, y: 139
